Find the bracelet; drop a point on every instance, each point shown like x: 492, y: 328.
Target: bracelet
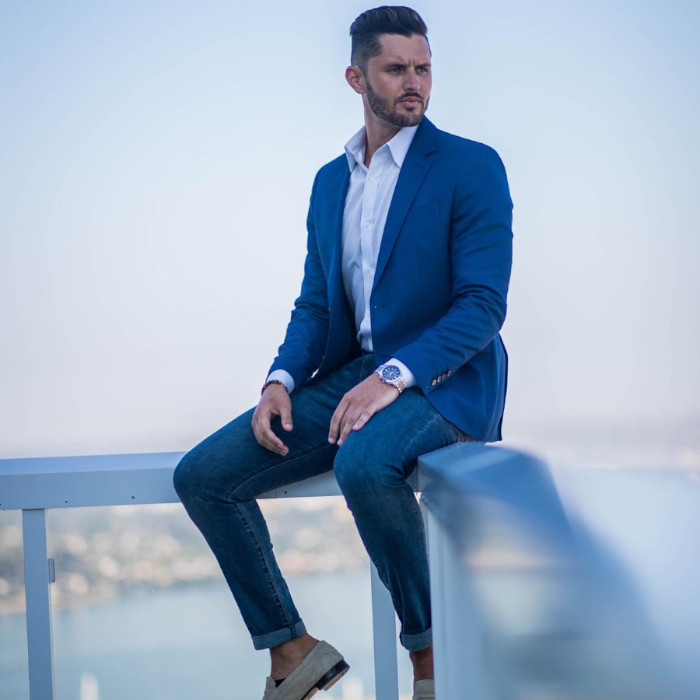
x: 272, y: 381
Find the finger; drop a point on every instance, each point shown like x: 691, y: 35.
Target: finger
x: 286, y: 416
x: 345, y: 425
x: 266, y: 437
x: 362, y: 420
x: 336, y: 421
x: 279, y: 403
x: 271, y: 442
x: 345, y: 429
x: 351, y: 424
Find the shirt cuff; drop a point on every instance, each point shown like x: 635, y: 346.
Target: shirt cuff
x: 405, y: 372
x: 283, y: 376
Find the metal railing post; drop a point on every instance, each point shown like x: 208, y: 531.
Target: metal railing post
x: 36, y: 581
x: 461, y: 668
x: 386, y: 682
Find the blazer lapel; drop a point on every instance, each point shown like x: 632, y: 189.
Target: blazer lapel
x: 415, y: 167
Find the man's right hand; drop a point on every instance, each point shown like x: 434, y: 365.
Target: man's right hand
x: 274, y: 402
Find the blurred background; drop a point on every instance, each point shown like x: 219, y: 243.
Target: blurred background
x: 146, y: 280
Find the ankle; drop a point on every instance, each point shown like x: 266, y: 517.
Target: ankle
x: 422, y: 664
x: 284, y: 658
x: 294, y: 647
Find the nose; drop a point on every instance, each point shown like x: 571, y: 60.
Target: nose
x: 411, y: 81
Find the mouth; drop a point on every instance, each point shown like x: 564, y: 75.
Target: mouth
x: 411, y: 101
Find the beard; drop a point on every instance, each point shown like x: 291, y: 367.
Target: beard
x: 381, y: 109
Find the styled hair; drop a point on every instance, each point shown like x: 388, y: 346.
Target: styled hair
x: 367, y: 28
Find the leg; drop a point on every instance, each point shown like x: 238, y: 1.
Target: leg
x: 220, y: 478
x: 371, y: 468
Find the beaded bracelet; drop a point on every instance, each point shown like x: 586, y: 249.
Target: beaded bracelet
x: 271, y: 381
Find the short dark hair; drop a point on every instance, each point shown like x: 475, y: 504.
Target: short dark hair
x: 367, y: 28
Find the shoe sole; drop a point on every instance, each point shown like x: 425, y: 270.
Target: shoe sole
x: 328, y: 679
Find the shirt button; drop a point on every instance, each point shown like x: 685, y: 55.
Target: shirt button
x: 372, y: 179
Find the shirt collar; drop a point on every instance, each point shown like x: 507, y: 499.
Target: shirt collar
x: 398, y: 146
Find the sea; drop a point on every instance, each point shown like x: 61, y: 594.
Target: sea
x: 190, y: 644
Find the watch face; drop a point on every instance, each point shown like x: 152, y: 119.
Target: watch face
x: 391, y: 373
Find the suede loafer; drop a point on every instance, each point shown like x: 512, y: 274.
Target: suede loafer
x: 320, y: 669
x: 424, y: 690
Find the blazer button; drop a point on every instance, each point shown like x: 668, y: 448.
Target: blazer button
x: 434, y: 382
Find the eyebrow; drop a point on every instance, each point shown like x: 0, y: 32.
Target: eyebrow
x: 398, y: 64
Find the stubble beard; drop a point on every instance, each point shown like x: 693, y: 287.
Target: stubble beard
x: 380, y: 108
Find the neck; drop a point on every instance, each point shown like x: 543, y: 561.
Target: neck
x: 377, y: 133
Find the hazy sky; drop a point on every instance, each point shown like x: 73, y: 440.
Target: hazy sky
x: 155, y: 166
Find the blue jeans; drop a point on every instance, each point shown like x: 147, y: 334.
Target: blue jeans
x: 219, y: 480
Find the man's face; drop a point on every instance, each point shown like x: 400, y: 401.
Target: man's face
x: 399, y: 80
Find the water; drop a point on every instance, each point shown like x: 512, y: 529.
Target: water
x: 186, y: 644
x: 190, y: 644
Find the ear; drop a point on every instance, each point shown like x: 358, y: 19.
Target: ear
x: 356, y: 79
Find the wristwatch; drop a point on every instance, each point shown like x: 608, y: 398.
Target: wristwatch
x: 391, y: 374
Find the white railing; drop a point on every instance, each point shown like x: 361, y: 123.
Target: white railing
x: 456, y: 482
x: 35, y: 485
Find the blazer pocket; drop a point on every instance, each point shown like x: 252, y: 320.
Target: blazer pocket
x: 422, y: 212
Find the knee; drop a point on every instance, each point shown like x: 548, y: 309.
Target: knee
x: 361, y: 474
x: 187, y: 478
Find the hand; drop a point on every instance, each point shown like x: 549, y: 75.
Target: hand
x: 359, y: 405
x: 274, y: 402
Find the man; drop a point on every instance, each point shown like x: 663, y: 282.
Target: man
x: 392, y: 351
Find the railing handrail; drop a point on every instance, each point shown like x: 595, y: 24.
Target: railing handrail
x: 36, y: 484
x: 112, y: 480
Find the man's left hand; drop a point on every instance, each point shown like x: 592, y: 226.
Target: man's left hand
x: 359, y: 405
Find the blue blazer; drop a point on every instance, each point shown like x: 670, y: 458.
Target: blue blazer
x: 439, y: 294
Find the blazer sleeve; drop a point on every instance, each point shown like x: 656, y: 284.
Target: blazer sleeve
x: 307, y: 332
x: 480, y: 260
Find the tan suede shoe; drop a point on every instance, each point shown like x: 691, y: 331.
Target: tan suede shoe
x: 424, y: 690
x: 320, y: 669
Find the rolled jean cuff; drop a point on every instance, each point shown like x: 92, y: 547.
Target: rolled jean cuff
x: 416, y: 642
x: 272, y: 639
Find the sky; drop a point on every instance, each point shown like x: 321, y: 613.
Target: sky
x: 156, y: 161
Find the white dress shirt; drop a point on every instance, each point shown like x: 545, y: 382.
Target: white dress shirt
x: 367, y: 201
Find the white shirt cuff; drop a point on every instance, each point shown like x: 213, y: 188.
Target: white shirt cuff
x: 405, y: 372
x: 283, y: 376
